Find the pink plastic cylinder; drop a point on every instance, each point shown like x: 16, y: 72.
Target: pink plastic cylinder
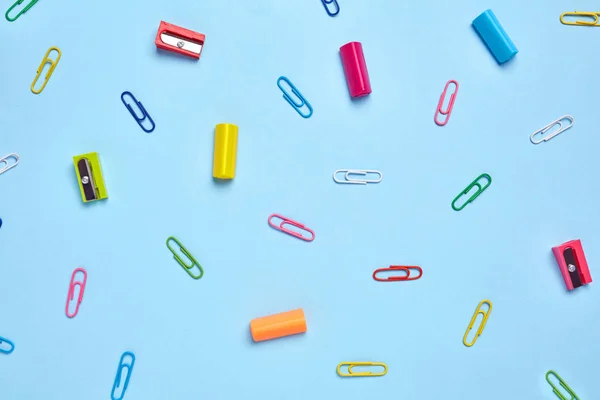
x: 355, y: 68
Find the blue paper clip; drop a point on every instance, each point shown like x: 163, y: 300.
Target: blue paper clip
x: 0, y: 222
x: 326, y: 5
x: 117, y: 383
x: 142, y: 109
x: 297, y: 106
x: 10, y: 344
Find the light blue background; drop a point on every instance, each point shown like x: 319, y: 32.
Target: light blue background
x: 191, y: 338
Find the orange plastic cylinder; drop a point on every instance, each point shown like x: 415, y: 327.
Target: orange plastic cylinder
x: 278, y: 325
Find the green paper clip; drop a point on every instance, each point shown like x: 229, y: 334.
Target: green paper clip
x: 473, y: 184
x: 23, y: 11
x: 564, y: 385
x: 186, y: 267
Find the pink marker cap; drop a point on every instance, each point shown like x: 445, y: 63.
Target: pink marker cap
x: 355, y: 68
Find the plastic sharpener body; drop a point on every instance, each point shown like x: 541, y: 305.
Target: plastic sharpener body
x: 225, y: 151
x: 494, y: 36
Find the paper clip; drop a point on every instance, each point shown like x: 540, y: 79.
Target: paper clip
x: 448, y: 111
x: 326, y: 5
x: 71, y: 295
x: 485, y: 314
x: 406, y: 277
x: 142, y: 109
x: 297, y: 106
x: 473, y: 184
x: 186, y: 267
x: 117, y: 383
x: 23, y: 11
x: 7, y: 165
x: 286, y: 221
x: 11, y: 346
x: 53, y: 64
x: 353, y: 364
x: 348, y: 179
x: 545, y: 129
x: 581, y: 22
x: 563, y: 384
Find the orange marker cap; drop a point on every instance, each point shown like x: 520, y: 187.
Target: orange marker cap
x: 278, y: 325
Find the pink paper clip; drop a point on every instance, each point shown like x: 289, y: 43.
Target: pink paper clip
x: 71, y: 294
x: 448, y: 111
x: 286, y: 221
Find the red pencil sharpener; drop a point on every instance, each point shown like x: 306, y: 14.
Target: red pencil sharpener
x: 572, y: 263
x: 355, y: 68
x: 180, y: 40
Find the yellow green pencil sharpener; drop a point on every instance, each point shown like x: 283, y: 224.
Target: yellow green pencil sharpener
x: 89, y: 176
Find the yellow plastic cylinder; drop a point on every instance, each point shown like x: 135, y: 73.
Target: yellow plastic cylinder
x: 225, y: 152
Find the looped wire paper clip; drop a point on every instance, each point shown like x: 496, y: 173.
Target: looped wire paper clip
x: 473, y: 184
x: 397, y: 278
x: 349, y: 179
x: 7, y: 165
x: 122, y: 366
x: 53, y: 64
x: 485, y: 314
x: 563, y: 384
x: 142, y: 109
x: 23, y: 11
x: 581, y: 22
x: 286, y: 221
x: 448, y: 111
x: 186, y: 267
x: 335, y: 6
x: 297, y: 105
x: 353, y: 364
x: 561, y: 129
x: 71, y: 295
x: 10, y: 345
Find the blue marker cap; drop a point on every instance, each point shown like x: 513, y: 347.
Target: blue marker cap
x: 494, y: 36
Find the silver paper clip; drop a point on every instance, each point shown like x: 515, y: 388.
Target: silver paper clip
x: 4, y: 162
x: 349, y: 179
x: 561, y: 129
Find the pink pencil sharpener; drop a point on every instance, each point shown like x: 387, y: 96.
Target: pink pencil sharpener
x: 572, y: 264
x: 355, y: 68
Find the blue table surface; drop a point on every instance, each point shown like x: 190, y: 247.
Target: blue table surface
x: 191, y: 338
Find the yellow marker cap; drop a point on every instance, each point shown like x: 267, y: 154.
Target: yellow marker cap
x: 225, y: 153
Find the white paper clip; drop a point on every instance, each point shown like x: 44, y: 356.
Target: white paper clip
x: 349, y: 172
x: 5, y: 165
x: 561, y: 129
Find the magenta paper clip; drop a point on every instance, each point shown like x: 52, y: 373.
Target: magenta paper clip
x: 71, y: 295
x: 355, y: 68
x: 440, y: 106
x: 286, y: 221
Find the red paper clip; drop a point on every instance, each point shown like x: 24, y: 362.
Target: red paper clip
x: 71, y: 295
x: 448, y: 111
x: 180, y: 40
x: 287, y: 221
x: 406, y: 277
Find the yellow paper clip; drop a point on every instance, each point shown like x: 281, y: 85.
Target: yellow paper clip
x: 45, y: 61
x: 581, y: 22
x: 485, y: 314
x: 353, y: 364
